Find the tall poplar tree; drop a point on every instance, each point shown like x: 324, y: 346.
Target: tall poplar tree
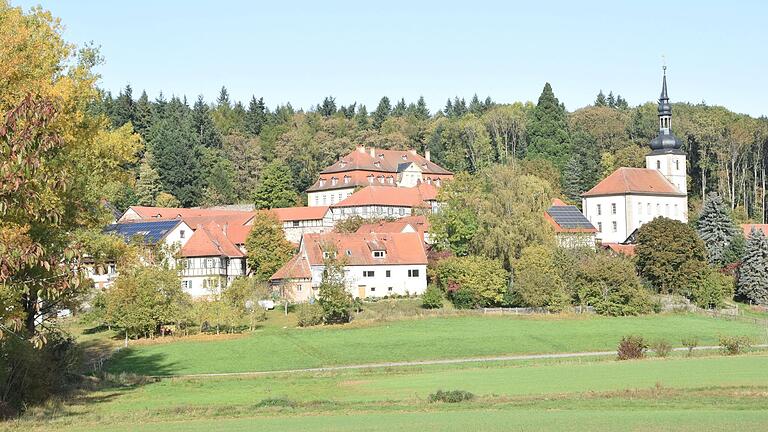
x: 548, y: 130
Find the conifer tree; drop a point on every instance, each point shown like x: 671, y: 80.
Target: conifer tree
x: 611, y: 100
x: 448, y: 110
x: 382, y: 112
x: 362, y: 117
x: 144, y: 116
x: 275, y: 187
x: 124, y: 109
x: 400, y: 108
x: 572, y: 175
x: 459, y: 107
x: 328, y: 107
x: 548, y: 130
x: 475, y: 106
x: 752, y: 283
x: 148, y: 185
x: 202, y: 123
x: 256, y: 117
x: 716, y: 229
x: 600, y: 100
x: 421, y: 112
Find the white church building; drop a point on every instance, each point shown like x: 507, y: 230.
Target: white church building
x: 630, y: 197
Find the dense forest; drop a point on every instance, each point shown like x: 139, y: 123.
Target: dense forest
x: 215, y: 153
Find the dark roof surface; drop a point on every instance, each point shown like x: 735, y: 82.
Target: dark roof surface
x: 150, y: 231
x: 569, y: 217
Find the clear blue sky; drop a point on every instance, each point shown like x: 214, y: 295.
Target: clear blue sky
x: 299, y: 52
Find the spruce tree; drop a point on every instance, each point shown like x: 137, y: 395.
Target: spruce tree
x: 571, y: 179
x: 421, y: 112
x: 124, y: 109
x: 328, y: 107
x: 611, y: 100
x: 400, y: 108
x: 383, y: 111
x: 256, y: 117
x: 548, y: 136
x: 144, y: 116
x: 275, y: 187
x: 600, y: 100
x: 716, y: 229
x: 475, y: 106
x: 459, y: 107
x: 202, y: 123
x: 752, y: 283
x: 148, y: 185
x: 448, y: 110
x: 362, y: 117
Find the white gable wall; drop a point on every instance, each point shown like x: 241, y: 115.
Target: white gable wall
x: 632, y: 211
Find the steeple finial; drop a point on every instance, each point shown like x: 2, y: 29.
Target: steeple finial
x: 664, y: 96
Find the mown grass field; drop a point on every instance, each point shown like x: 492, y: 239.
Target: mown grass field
x: 681, y: 394
x: 280, y: 348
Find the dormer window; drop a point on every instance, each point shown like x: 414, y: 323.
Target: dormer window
x: 379, y: 254
x: 404, y: 157
x: 429, y: 180
x: 349, y: 252
x: 370, y: 179
x: 334, y: 180
x: 381, y: 179
x: 347, y: 179
x: 437, y: 182
x: 322, y: 182
x: 377, y: 164
x: 390, y: 180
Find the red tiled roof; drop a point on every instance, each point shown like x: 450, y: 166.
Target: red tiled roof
x: 286, y: 214
x: 634, y: 180
x: 625, y: 249
x: 747, y: 228
x: 359, y: 164
x: 356, y: 248
x: 419, y: 223
x: 174, y: 212
x: 389, y: 196
x: 210, y: 240
x: 296, y: 268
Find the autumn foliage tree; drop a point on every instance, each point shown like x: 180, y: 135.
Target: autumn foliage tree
x: 266, y: 245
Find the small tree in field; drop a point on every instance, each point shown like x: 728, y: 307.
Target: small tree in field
x: 753, y: 274
x: 334, y: 298
x: 267, y: 247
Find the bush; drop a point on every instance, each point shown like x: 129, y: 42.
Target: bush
x: 276, y: 402
x: 485, y: 279
x: 464, y: 298
x: 309, y: 314
x: 432, y: 298
x: 612, y: 286
x: 662, y: 348
x: 632, y: 347
x: 450, y: 396
x: 537, y: 280
x: 711, y: 288
x: 690, y: 342
x: 733, y: 345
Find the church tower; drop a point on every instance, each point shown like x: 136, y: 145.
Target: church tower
x: 666, y: 155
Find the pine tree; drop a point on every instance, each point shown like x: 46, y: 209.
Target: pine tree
x: 448, y: 110
x: 362, y: 117
x: 144, y: 116
x: 328, y: 107
x: 611, y: 100
x: 400, y: 108
x: 256, y: 117
x: 600, y: 100
x: 475, y: 106
x: 202, y: 122
x: 459, y: 107
x: 421, y: 112
x: 175, y: 155
x: 548, y: 136
x: 382, y: 112
x: 621, y: 103
x: 275, y: 187
x: 752, y: 282
x: 716, y: 229
x: 572, y: 174
x: 148, y: 185
x: 124, y: 110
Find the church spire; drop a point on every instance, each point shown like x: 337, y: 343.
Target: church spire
x: 665, y: 141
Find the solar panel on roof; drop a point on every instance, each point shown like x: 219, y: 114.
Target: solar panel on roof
x: 150, y: 231
x: 569, y: 217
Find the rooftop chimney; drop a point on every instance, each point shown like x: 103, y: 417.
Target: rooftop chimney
x: 361, y: 148
x: 426, y: 155
x: 373, y: 152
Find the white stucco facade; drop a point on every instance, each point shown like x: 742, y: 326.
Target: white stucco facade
x: 380, y: 280
x: 672, y: 166
x: 617, y: 216
x: 328, y: 197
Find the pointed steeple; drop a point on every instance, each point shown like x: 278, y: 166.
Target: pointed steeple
x: 666, y: 140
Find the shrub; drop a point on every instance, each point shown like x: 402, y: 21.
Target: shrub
x: 611, y: 285
x: 464, y: 298
x: 309, y: 314
x: 432, y: 298
x: 733, y: 345
x: 632, y: 347
x: 450, y: 396
x: 276, y: 402
x: 711, y: 288
x: 484, y: 278
x: 661, y: 347
x: 537, y: 280
x: 690, y: 342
